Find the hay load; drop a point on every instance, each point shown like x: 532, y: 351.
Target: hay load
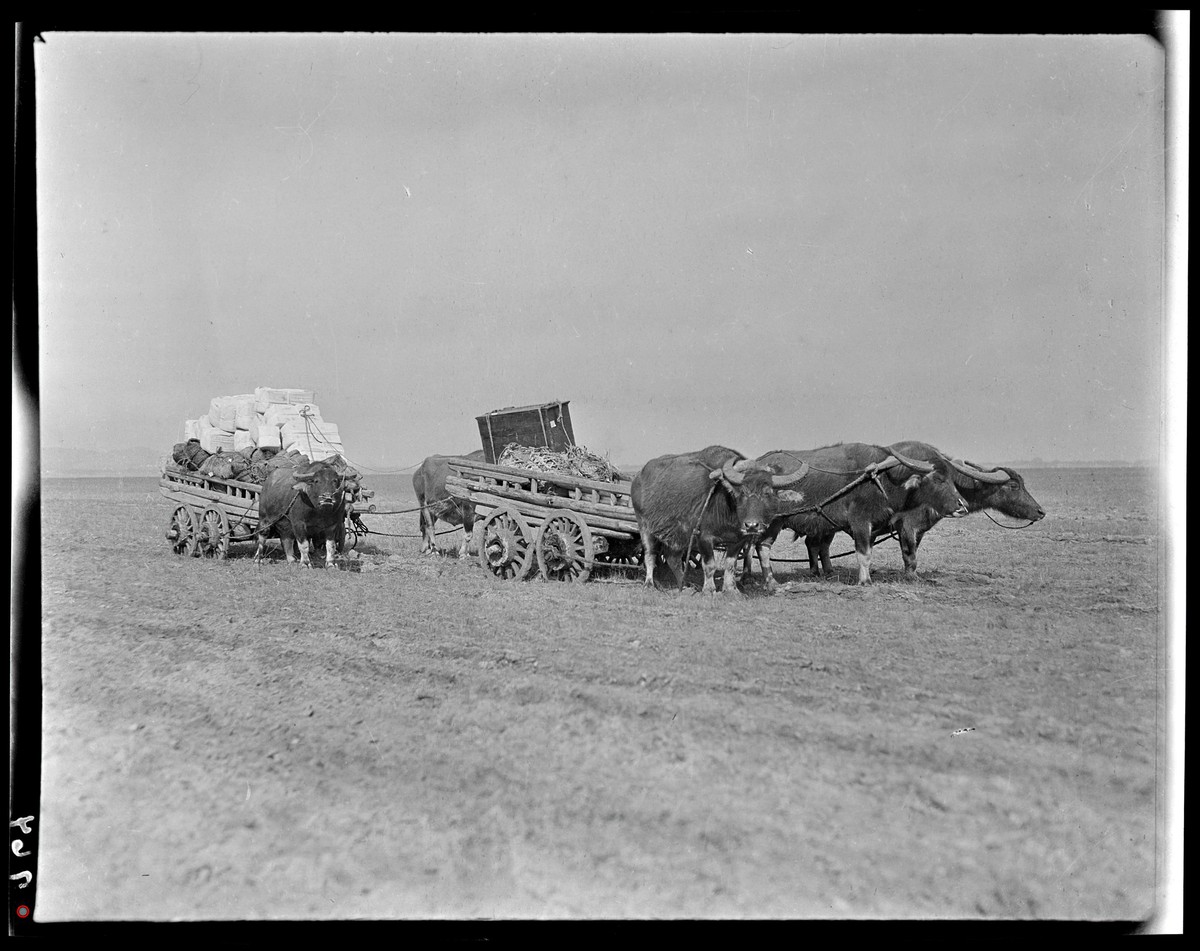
x: 574, y: 460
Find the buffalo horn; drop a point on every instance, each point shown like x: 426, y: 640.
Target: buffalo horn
x: 995, y: 478
x: 916, y: 464
x: 779, y: 481
x: 734, y: 475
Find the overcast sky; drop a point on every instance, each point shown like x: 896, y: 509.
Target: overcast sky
x: 765, y: 241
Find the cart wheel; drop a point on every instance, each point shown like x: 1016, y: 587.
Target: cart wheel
x: 565, y: 549
x: 628, y: 560
x: 213, y: 535
x: 507, y: 547
x: 181, y: 531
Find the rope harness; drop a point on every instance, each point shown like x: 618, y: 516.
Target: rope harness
x: 1011, y: 528
x: 695, y: 532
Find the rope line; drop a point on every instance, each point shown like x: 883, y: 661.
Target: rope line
x: 1011, y: 528
x: 309, y: 426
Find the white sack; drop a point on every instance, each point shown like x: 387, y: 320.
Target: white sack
x: 216, y: 440
x: 268, y: 438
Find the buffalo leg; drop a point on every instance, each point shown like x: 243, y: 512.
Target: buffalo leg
x: 708, y: 557
x: 814, y: 554
x: 862, y: 548
x: 650, y: 546
x: 731, y: 561
x: 907, y: 537
x: 818, y: 554
x: 289, y: 547
x: 764, y: 561
x: 330, y: 547
x: 427, y: 521
x: 304, y: 544
x: 262, y: 545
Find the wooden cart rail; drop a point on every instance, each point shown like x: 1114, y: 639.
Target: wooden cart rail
x: 570, y: 525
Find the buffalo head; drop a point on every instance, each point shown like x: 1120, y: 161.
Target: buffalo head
x: 320, y: 484
x: 1001, y: 489
x: 931, y: 485
x: 759, y: 494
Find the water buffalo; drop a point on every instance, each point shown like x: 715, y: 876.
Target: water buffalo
x: 303, y: 505
x: 715, y: 497
x: 895, y: 484
x: 997, y: 488
x: 429, y: 482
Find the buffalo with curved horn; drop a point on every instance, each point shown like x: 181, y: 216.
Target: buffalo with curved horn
x: 859, y: 489
x: 715, y: 498
x: 302, y: 506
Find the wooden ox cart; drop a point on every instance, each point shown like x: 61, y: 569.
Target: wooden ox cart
x: 209, y: 513
x: 563, y: 526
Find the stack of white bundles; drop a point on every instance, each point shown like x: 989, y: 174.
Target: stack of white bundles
x: 242, y: 440
x: 244, y: 414
x: 191, y: 429
x: 213, y: 439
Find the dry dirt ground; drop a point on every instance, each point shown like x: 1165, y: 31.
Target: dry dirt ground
x: 409, y: 737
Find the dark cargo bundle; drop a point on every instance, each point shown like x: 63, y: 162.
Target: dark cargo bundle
x: 545, y: 424
x: 190, y: 455
x: 225, y: 465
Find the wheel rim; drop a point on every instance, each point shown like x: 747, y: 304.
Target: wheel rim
x: 565, y: 548
x: 506, y: 550
x: 181, y: 531
x: 626, y: 563
x: 213, y: 535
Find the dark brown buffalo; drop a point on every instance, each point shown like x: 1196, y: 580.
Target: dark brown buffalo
x: 997, y: 488
x: 707, y: 500
x: 429, y: 482
x: 895, y: 484
x: 303, y: 506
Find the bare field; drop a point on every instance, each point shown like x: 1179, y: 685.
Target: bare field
x: 412, y: 738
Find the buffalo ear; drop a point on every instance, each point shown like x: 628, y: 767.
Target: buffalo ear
x: 789, y: 495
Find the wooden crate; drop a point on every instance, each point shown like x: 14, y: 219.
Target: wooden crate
x: 543, y: 424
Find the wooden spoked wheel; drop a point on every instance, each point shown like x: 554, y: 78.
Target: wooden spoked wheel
x: 181, y: 531
x: 213, y: 534
x: 565, y: 548
x: 506, y: 549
